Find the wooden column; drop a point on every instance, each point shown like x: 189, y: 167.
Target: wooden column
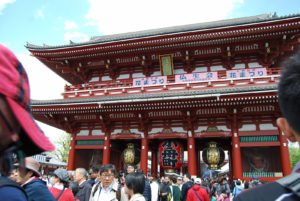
x: 284, y: 153
x: 106, y: 149
x: 198, y: 162
x: 71, y: 159
x: 192, y: 167
x: 144, y: 153
x: 236, y: 150
x: 154, y: 163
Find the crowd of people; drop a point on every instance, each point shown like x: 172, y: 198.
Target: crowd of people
x: 20, y: 179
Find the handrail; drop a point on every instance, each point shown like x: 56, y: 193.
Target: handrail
x: 111, y: 88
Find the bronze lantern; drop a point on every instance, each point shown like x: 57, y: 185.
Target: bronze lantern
x: 213, y: 156
x: 131, y: 155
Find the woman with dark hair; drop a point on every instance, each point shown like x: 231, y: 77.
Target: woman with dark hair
x: 134, y: 186
x: 60, y: 190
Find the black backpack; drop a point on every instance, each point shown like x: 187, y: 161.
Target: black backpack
x: 292, y: 183
x: 4, y: 182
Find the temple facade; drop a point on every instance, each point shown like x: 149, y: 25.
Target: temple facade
x: 195, y: 84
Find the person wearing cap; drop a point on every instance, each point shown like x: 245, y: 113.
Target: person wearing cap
x: 286, y: 188
x: 19, y: 132
x: 35, y: 188
x: 59, y: 188
x: 85, y: 187
x: 197, y: 192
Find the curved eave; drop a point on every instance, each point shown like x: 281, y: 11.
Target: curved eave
x: 165, y: 31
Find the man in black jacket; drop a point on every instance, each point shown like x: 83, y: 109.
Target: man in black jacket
x: 85, y: 187
x: 163, y: 188
x: 186, y: 186
x: 289, y: 101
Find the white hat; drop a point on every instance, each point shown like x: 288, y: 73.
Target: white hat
x: 198, y: 181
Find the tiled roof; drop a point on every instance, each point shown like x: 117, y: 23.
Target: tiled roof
x: 169, y: 30
x: 160, y: 96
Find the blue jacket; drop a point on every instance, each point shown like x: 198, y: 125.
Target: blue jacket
x: 185, y: 188
x: 147, y: 191
x: 37, y: 191
x: 237, y: 190
x: 9, y: 192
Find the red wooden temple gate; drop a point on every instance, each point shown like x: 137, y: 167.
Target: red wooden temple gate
x: 196, y: 83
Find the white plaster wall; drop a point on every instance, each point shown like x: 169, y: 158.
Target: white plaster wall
x: 267, y: 127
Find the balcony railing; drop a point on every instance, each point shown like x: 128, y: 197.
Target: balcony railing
x: 124, y: 87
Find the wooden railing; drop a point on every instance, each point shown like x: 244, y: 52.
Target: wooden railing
x: 124, y: 87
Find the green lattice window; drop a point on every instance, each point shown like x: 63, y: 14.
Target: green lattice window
x: 266, y: 138
x: 262, y: 174
x: 89, y: 142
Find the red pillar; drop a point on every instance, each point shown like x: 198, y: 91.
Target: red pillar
x: 192, y: 168
x: 71, y: 159
x: 144, y: 153
x: 236, y: 150
x: 154, y: 163
x: 106, y: 149
x: 284, y: 153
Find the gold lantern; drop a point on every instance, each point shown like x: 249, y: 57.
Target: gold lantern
x: 213, y: 156
x: 131, y: 155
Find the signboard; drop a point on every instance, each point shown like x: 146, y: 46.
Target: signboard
x: 149, y: 81
x: 196, y: 77
x: 246, y: 73
x: 166, y: 64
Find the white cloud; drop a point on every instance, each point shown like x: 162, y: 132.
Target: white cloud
x: 3, y: 4
x: 44, y: 85
x: 119, y: 16
x: 75, y: 36
x: 70, y: 25
x: 39, y: 14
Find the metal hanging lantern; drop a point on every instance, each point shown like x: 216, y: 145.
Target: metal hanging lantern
x: 213, y: 156
x: 170, y: 154
x: 131, y: 155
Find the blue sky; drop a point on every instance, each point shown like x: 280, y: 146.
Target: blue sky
x: 56, y: 22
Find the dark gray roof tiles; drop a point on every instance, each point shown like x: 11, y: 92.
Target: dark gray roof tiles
x: 158, y: 96
x: 168, y: 30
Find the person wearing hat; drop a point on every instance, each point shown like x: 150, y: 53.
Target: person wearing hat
x: 35, y: 188
x: 197, y: 192
x: 19, y: 133
x: 59, y: 189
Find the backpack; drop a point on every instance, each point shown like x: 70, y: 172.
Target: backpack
x: 292, y: 183
x: 6, y: 182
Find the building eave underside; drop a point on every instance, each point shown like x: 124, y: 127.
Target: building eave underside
x: 148, y: 97
x: 167, y: 31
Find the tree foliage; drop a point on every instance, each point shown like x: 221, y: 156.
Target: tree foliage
x: 62, y: 147
x: 294, y: 156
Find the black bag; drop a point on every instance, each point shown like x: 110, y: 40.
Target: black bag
x: 292, y: 183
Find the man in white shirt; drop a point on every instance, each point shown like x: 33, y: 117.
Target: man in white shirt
x: 154, y: 190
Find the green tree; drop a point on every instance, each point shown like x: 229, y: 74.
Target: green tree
x: 62, y: 147
x: 294, y: 155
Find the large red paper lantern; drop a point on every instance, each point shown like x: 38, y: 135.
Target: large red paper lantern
x: 170, y: 154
